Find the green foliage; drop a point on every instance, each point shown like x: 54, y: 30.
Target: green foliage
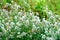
x: 54, y: 6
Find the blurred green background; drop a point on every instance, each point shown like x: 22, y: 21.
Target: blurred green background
x: 35, y: 5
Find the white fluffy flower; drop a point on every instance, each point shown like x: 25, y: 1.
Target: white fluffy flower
x: 12, y: 23
x: 55, y: 24
x: 37, y: 20
x: 27, y: 23
x: 15, y: 6
x: 18, y: 33
x: 50, y: 38
x: 58, y: 31
x: 34, y: 28
x: 20, y: 13
x: 43, y: 19
x: 43, y: 36
x: 2, y: 28
x: 59, y: 18
x: 18, y: 24
x: 31, y: 13
x: 50, y: 13
x: 23, y: 17
x: 23, y: 33
x: 52, y: 17
x: 15, y: 17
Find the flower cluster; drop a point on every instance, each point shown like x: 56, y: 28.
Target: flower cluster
x: 21, y: 25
